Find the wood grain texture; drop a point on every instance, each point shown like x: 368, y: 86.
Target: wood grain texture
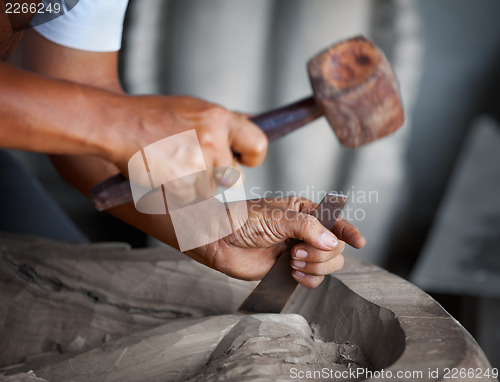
x: 105, y: 312
x: 229, y: 347
x: 58, y: 298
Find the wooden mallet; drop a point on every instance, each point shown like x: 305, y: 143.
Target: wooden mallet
x: 354, y: 88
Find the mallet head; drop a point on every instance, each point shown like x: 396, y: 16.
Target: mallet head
x: 355, y: 87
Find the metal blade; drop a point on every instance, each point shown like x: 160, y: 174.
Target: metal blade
x: 276, y: 288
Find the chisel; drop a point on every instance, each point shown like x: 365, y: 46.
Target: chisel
x: 273, y: 292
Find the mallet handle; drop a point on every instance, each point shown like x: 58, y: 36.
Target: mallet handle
x: 115, y: 190
x: 278, y: 122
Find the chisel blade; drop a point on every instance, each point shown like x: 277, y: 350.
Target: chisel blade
x: 273, y: 292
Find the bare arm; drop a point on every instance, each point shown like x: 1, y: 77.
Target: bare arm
x: 246, y: 254
x: 38, y: 114
x: 99, y: 70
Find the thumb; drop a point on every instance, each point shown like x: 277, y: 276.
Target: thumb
x: 248, y: 141
x: 305, y: 227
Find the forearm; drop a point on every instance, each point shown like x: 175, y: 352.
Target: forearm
x: 55, y: 116
x: 98, y: 70
x: 84, y: 172
x: 152, y: 118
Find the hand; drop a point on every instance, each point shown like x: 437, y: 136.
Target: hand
x: 250, y: 252
x: 116, y: 126
x: 148, y: 119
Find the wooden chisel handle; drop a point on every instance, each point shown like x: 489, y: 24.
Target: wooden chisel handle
x: 115, y: 190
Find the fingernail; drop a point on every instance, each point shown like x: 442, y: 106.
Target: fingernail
x: 329, y: 240
x: 298, y: 264
x: 298, y: 274
x: 300, y: 254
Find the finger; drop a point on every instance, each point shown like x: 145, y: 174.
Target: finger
x: 216, y: 148
x: 308, y: 281
x: 342, y: 229
x: 230, y: 176
x: 345, y: 231
x: 318, y: 269
x: 222, y: 158
x: 248, y: 141
x: 203, y: 187
x: 306, y: 228
x: 304, y: 252
x: 180, y: 191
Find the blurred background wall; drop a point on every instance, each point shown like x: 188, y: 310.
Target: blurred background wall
x: 250, y: 55
x: 408, y: 190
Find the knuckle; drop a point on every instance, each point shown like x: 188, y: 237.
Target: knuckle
x: 260, y: 146
x: 327, y: 266
x: 307, y: 224
x: 314, y: 268
x: 297, y: 203
x: 317, y: 255
x: 334, y: 265
x: 215, y: 113
x: 341, y: 246
x: 206, y: 138
x: 323, y: 256
x: 340, y: 262
x: 292, y: 203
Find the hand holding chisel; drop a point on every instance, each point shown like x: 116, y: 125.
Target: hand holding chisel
x: 276, y: 288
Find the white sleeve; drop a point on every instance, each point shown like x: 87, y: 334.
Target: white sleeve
x: 92, y: 25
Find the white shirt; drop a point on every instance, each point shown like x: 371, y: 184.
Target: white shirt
x: 92, y: 25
